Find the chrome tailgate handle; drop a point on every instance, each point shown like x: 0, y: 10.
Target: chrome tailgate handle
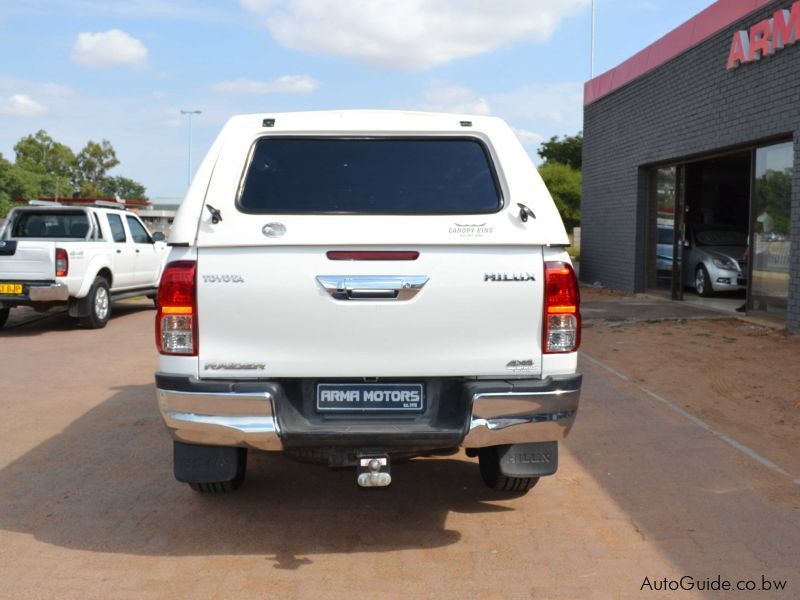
x: 372, y: 287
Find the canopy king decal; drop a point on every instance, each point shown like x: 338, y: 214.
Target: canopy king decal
x: 765, y: 38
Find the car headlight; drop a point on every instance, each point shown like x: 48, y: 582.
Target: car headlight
x: 725, y: 263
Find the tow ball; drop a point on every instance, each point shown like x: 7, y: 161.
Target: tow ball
x: 373, y: 471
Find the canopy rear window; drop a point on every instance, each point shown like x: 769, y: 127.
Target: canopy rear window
x: 50, y: 224
x: 370, y: 176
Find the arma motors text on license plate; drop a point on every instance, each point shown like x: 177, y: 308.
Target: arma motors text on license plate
x: 14, y: 289
x: 368, y: 397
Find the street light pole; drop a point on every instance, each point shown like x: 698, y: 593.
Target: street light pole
x: 591, y: 68
x: 190, y: 114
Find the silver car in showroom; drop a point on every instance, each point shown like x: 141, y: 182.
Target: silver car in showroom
x: 714, y: 259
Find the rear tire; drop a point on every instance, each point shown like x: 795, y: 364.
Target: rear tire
x: 702, y: 282
x: 489, y: 464
x: 99, y: 299
x: 4, y: 312
x: 218, y: 487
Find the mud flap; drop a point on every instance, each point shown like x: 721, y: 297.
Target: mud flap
x: 79, y: 307
x: 528, y: 460
x: 205, y: 464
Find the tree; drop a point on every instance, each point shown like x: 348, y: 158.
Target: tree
x: 773, y: 193
x: 564, y: 183
x: 124, y: 188
x: 568, y: 150
x: 91, y: 166
x: 39, y: 153
x: 15, y: 183
x: 46, y: 168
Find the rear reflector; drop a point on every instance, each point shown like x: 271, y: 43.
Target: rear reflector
x: 562, y: 315
x: 62, y: 263
x: 372, y: 255
x: 176, y: 327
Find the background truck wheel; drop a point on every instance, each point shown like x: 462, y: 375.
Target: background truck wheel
x: 4, y: 312
x: 489, y: 463
x: 99, y: 305
x: 702, y: 282
x: 210, y: 469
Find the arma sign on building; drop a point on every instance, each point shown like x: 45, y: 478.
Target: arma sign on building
x: 766, y: 37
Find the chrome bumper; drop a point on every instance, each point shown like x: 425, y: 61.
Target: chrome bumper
x: 537, y: 412
x: 221, y: 419
x: 55, y: 292
x: 519, y: 417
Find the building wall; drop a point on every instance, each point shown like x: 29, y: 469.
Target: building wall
x: 692, y: 105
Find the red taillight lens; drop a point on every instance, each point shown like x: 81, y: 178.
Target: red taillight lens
x: 373, y: 255
x: 176, y: 320
x: 562, y: 314
x: 62, y: 262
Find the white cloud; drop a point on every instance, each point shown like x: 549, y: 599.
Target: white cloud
x: 46, y: 91
x: 557, y: 103
x: 442, y: 96
x: 108, y: 49
x: 534, y: 112
x: 528, y: 138
x: 287, y: 84
x: 410, y: 34
x: 212, y: 11
x: 20, y: 105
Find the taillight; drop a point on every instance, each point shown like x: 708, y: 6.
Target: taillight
x: 176, y: 320
x: 62, y: 262
x: 562, y: 313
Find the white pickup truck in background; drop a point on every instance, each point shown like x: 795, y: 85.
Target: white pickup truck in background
x: 355, y: 287
x: 79, y: 256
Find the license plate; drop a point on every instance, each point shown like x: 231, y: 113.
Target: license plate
x: 11, y: 289
x: 370, y: 397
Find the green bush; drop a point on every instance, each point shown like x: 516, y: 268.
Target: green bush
x: 564, y: 183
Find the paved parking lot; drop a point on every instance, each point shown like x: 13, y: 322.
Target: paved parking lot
x: 89, y: 508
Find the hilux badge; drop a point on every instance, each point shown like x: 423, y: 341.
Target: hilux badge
x: 509, y: 277
x: 273, y: 230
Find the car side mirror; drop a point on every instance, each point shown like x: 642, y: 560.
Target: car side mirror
x: 159, y: 237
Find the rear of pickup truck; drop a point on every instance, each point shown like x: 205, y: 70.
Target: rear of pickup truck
x: 354, y: 288
x: 34, y: 257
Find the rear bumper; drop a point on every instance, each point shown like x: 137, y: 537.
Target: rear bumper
x: 38, y: 292
x: 520, y: 412
x: 227, y: 413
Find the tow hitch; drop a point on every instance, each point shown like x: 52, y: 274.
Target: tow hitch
x: 373, y: 471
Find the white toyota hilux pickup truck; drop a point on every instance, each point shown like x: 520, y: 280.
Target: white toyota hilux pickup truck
x: 359, y: 287
x: 79, y: 256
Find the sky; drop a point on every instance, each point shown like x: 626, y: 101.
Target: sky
x: 123, y: 70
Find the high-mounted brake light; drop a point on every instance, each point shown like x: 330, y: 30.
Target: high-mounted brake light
x: 562, y: 314
x: 62, y: 263
x: 372, y: 255
x: 176, y: 320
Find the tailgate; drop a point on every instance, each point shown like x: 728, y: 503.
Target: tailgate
x: 266, y: 312
x: 30, y: 261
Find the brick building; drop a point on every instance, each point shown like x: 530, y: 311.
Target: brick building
x: 695, y: 138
